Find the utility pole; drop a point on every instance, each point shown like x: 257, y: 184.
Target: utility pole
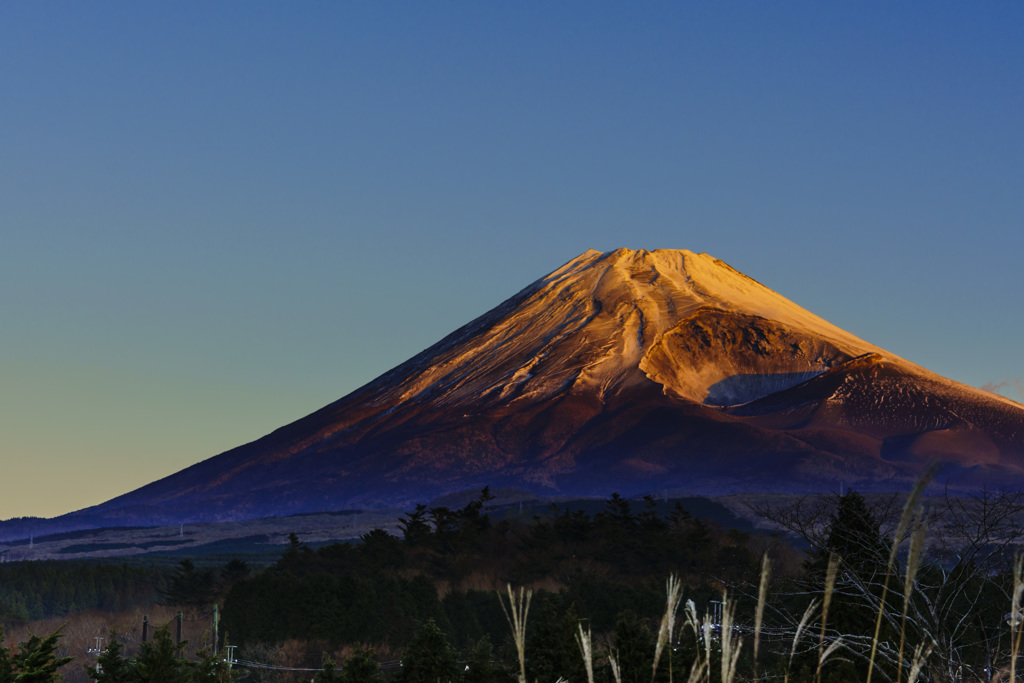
x: 145, y: 628
x: 181, y: 617
x: 216, y: 623
x: 98, y: 650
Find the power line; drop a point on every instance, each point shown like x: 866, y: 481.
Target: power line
x: 249, y: 664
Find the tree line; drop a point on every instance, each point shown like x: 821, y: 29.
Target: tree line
x: 606, y: 568
x: 30, y: 591
x: 870, y: 597
x: 899, y: 585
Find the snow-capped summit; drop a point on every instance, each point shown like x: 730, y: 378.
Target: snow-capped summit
x: 605, y: 321
x: 624, y: 371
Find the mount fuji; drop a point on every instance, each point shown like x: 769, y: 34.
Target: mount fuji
x: 631, y: 371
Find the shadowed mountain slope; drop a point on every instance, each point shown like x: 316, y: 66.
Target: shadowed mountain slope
x: 625, y: 371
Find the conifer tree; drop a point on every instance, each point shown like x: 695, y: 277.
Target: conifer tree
x: 37, y: 660
x: 415, y: 529
x: 6, y: 665
x: 551, y: 647
x: 854, y: 535
x: 429, y: 658
x: 210, y: 669
x: 634, y: 648
x: 329, y: 673
x: 111, y: 667
x: 190, y: 586
x: 479, y: 667
x: 160, y: 661
x: 231, y: 573
x: 361, y: 667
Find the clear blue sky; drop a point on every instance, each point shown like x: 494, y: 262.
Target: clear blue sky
x: 218, y: 217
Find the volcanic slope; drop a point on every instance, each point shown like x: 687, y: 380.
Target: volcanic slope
x: 626, y: 371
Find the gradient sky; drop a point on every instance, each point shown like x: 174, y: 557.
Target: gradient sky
x: 218, y: 217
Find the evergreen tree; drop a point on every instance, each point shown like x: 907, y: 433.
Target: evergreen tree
x: 211, y: 669
x: 381, y: 550
x: 634, y: 648
x: 361, y: 667
x: 551, y: 649
x: 6, y: 665
x: 37, y: 660
x: 329, y: 673
x: 234, y: 571
x: 415, y: 529
x: 295, y: 546
x: 160, y: 661
x: 619, y: 511
x: 650, y: 520
x: 854, y: 535
x: 190, y: 586
x: 480, y: 667
x: 111, y: 667
x: 429, y: 658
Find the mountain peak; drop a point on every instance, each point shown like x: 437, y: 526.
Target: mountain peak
x: 605, y: 322
x: 628, y: 370
x: 687, y: 280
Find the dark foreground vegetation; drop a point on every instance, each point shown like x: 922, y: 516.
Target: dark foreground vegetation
x: 30, y: 591
x: 890, y: 590
x: 448, y: 564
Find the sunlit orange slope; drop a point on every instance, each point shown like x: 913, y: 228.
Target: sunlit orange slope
x: 624, y: 371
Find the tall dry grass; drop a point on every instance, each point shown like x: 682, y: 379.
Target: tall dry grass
x: 718, y: 647
x: 516, y: 614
